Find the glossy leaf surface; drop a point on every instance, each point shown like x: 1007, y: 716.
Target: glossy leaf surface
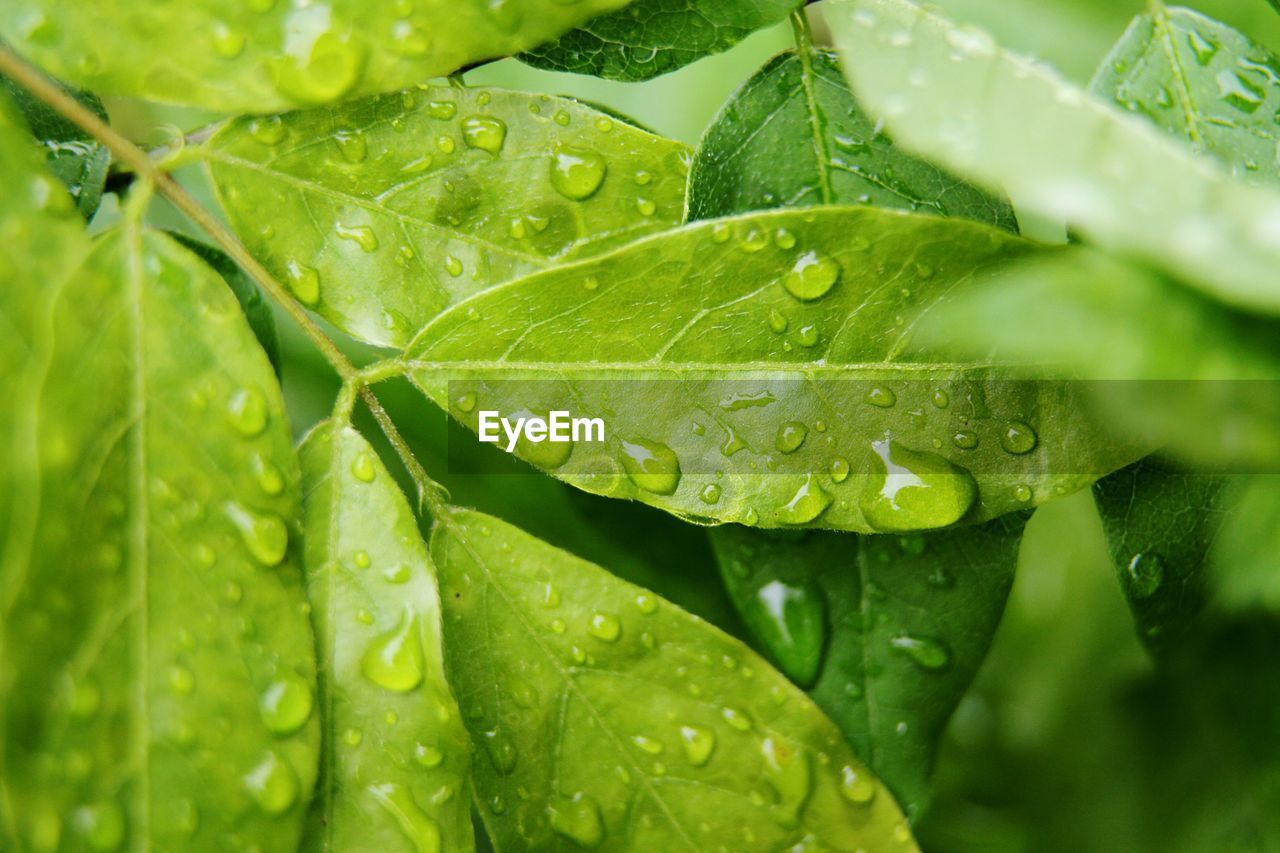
x: 793, y: 136
x: 150, y: 596
x: 264, y: 55
x: 728, y: 397
x: 649, y: 38
x: 951, y: 94
x: 395, y: 769
x: 607, y: 718
x: 891, y: 629
x: 388, y: 210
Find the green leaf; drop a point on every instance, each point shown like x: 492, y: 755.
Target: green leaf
x: 611, y: 719
x: 950, y: 94
x: 885, y: 632
x: 388, y: 210
x: 395, y: 770
x: 265, y: 55
x: 255, y: 308
x: 72, y: 155
x: 749, y: 159
x: 1203, y: 82
x: 149, y: 597
x: 1243, y: 576
x: 650, y: 38
x: 1161, y: 521
x: 727, y: 397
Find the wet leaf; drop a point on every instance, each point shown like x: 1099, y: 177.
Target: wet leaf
x: 650, y: 38
x: 388, y: 210
x: 605, y: 717
x: 885, y: 632
x: 395, y: 769
x: 764, y: 371
x: 951, y: 94
x: 749, y: 158
x: 149, y: 595
x: 265, y: 55
x: 72, y: 155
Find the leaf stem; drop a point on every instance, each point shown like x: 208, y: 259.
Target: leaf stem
x: 801, y: 31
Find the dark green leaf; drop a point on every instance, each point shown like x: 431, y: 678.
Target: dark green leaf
x: 395, y: 773
x: 73, y: 156
x: 150, y: 603
x: 760, y: 407
x: 653, y: 37
x: 951, y: 94
x: 792, y: 136
x: 885, y: 632
x: 264, y: 55
x: 381, y: 213
x: 255, y: 308
x: 608, y: 718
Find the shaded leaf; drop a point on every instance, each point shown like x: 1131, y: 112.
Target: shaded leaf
x: 255, y: 308
x: 72, y: 155
x: 1243, y: 576
x: 650, y: 38
x: 793, y: 136
x: 950, y: 94
x: 609, y: 718
x: 386, y: 211
x: 148, y: 594
x: 726, y: 397
x: 903, y: 623
x: 263, y: 55
x: 395, y: 770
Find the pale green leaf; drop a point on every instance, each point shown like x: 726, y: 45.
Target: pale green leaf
x: 607, y: 718
x: 793, y: 136
x: 395, y: 766
x: 757, y: 406
x: 885, y: 632
x: 951, y: 94
x: 650, y: 38
x: 1243, y: 575
x: 149, y: 597
x: 266, y: 55
x: 386, y: 211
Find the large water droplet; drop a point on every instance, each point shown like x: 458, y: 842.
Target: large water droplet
x: 788, y: 773
x: 577, y: 173
x: 272, y: 784
x: 790, y: 436
x: 808, y: 502
x: 394, y: 661
x: 304, y: 282
x: 791, y: 620
x: 485, y: 133
x: 909, y: 491
x: 927, y: 652
x: 1018, y: 438
x: 577, y: 818
x: 264, y: 534
x: 812, y: 276
x: 286, y: 704
x: 423, y: 832
x: 698, y: 744
x: 605, y: 626
x: 881, y: 397
x: 652, y: 466
x: 326, y: 71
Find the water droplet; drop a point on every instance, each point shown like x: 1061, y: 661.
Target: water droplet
x: 1018, y: 438
x: 605, y: 626
x: 428, y: 756
x: 839, y: 469
x: 777, y: 322
x: 811, y: 277
x: 422, y: 832
x: 736, y: 719
x: 398, y: 574
x: 272, y: 784
x: 1204, y: 48
x: 485, y: 133
x: 264, y: 534
x: 362, y: 235
x: 304, y: 282
x: 394, y: 661
x: 965, y: 439
x: 577, y: 173
x: 710, y: 494
x: 928, y: 653
x: 352, y: 737
x: 754, y: 240
x: 809, y: 502
x: 101, y: 825
x: 941, y: 399
x: 501, y: 752
x: 721, y: 232
x: 914, y: 491
x: 1146, y: 573
x: 788, y: 773
x: 791, y: 619
x: 286, y: 704
x: 647, y: 744
x: 364, y: 467
x: 270, y: 478
x: 880, y: 396
x: 1022, y: 492
x: 361, y: 559
x: 352, y: 145
x: 228, y: 42
x: 269, y: 130
x: 326, y: 71
x: 698, y: 744
x: 856, y: 785
x: 577, y: 818
x: 652, y: 466
x: 466, y: 401
x: 442, y: 110
x: 807, y: 336
x: 562, y: 118
x: 790, y: 436
x: 247, y: 411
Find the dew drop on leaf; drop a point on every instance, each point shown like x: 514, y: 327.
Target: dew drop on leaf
x: 710, y: 494
x: 577, y: 173
x: 501, y: 752
x: 1018, y: 438
x: 808, y: 502
x: 651, y: 465
x: 264, y: 534
x: 811, y: 277
x: 856, y: 786
x: 269, y: 130
x: 788, y: 772
x: 790, y: 436
x: 394, y: 661
x: 736, y: 719
x: 910, y: 490
x: 304, y: 283
x: 796, y: 617
x: 605, y: 626
x: 273, y: 784
x: 363, y: 467
x: 421, y: 831
x: 101, y: 825
x: 286, y: 704
x: 578, y: 819
x: 247, y: 411
x: 927, y: 652
x: 838, y: 469
x: 325, y: 72
x: 881, y: 397
x: 362, y: 235
x: 698, y: 744
x: 484, y: 133
x: 352, y: 145
x: 1146, y: 573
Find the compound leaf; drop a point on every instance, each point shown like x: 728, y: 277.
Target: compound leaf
x: 150, y: 601
x: 950, y: 94
x: 885, y: 632
x: 793, y: 136
x: 388, y: 210
x: 761, y: 370
x: 395, y: 769
x: 609, y: 718
x: 264, y: 55
x: 653, y: 37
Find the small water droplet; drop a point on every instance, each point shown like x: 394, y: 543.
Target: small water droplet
x: 856, y: 785
x: 838, y: 469
x: 273, y: 784
x: 1018, y: 438
x: 264, y: 534
x: 363, y: 467
x: 269, y: 130
x: 881, y: 396
x: 791, y: 619
x: 790, y: 436
x: 502, y: 754
x: 325, y: 70
x: 466, y: 401
x: 811, y: 277
x: 647, y: 744
x: 362, y: 235
x: 577, y: 173
x: 352, y: 145
x: 1022, y: 492
x: 605, y: 626
x: 398, y: 574
x: 754, y: 240
x: 577, y: 818
x: 485, y: 133
x: 710, y: 494
x: 101, y: 825
x: 181, y: 681
x: 965, y: 439
x: 1204, y: 48
x: 228, y: 42
x: 442, y: 110
x: 247, y: 411
x: 304, y: 282
x: 927, y: 652
x: 428, y: 756
x: 698, y: 744
x: 788, y: 772
x: 286, y: 704
x: 394, y: 661
x: 736, y: 719
x: 1146, y: 573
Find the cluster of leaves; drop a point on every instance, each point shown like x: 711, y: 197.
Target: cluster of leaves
x: 821, y: 334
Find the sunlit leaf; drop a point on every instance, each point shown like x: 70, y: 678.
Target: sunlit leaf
x: 606, y: 717
x: 386, y: 211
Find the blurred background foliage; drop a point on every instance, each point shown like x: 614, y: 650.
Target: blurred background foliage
x: 1071, y: 739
